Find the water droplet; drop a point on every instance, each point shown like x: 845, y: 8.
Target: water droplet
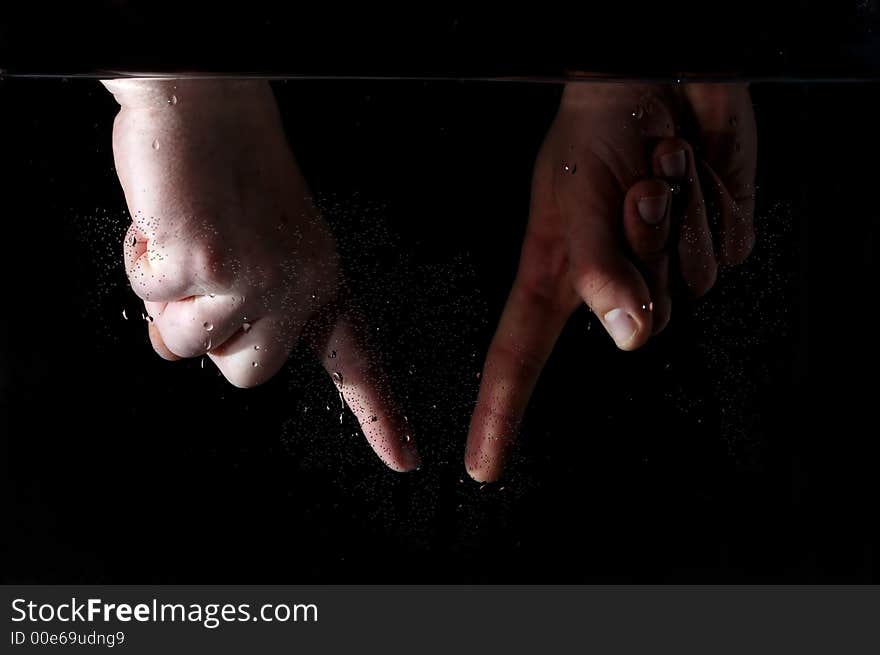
x: 246, y: 327
x: 132, y: 241
x: 332, y: 354
x: 149, y: 319
x: 337, y: 378
x: 156, y: 144
x: 124, y: 315
x: 408, y: 438
x: 570, y: 168
x: 208, y: 326
x: 255, y: 364
x: 676, y: 189
x: 479, y: 374
x: 203, y: 362
x: 638, y: 112
x: 172, y: 100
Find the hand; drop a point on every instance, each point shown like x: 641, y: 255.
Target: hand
x: 617, y: 201
x: 226, y: 250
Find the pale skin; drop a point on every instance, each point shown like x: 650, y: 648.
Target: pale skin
x: 233, y: 261
x: 229, y: 255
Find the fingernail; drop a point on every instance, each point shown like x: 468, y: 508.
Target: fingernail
x: 652, y: 209
x: 621, y: 326
x: 674, y: 164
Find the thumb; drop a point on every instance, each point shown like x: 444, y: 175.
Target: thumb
x: 602, y: 273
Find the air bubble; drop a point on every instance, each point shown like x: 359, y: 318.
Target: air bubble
x: 208, y: 326
x: 638, y: 112
x: 255, y: 364
x: 332, y: 354
x: 156, y: 144
x: 172, y: 100
x: 337, y: 378
x: 124, y: 315
x: 246, y: 327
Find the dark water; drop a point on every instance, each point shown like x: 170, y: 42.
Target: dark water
x: 738, y: 445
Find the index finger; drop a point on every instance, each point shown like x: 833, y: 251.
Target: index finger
x: 530, y: 324
x: 361, y: 384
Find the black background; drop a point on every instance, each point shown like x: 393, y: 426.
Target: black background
x: 801, y: 38
x: 737, y: 446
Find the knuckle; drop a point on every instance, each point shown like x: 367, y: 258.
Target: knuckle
x: 512, y: 350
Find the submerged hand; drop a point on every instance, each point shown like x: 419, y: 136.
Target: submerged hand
x: 617, y: 207
x: 225, y: 248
